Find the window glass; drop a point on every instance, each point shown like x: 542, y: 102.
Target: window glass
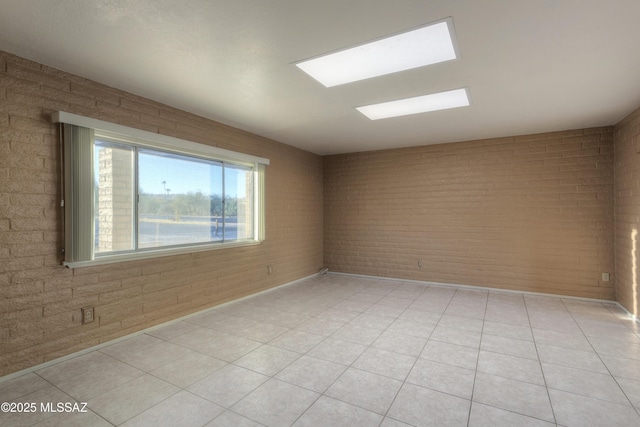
x: 180, y: 199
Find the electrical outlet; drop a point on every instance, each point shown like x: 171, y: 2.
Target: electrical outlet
x: 88, y: 314
x: 269, y: 269
x: 605, y: 277
x: 420, y: 264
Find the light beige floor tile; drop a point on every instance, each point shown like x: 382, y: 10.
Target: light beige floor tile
x: 338, y: 315
x: 355, y: 306
x: 357, y: 333
x: 320, y: 326
x: 385, y: 310
x: 384, y: 362
x: 617, y: 348
x: 458, y: 322
x: 507, y: 317
x: 181, y: 409
x: 507, y: 330
x: 339, y: 351
x: 621, y: 367
x: 512, y: 395
x: 396, y: 302
x: 89, y: 375
x: 510, y: 346
x: 21, y: 386
x: 489, y: 416
x: 499, y: 297
x: 561, y: 339
x: 311, y: 373
x: 557, y: 323
x: 137, y: 342
x: 516, y: 368
x: 330, y: 412
x: 276, y: 403
x: 464, y: 357
x: 172, y: 330
x: 390, y: 422
x: 400, y: 343
x: 586, y: 360
x: 442, y: 377
x: 202, y: 340
x: 631, y: 389
x: 35, y: 413
x: 132, y: 398
x: 366, y: 296
x: 210, y: 318
x: 231, y: 419
x: 431, y: 306
x: 608, y: 329
x: 151, y: 357
x: 231, y: 347
x: 419, y: 407
x: 287, y: 319
x: 267, y: 360
x: 470, y: 310
x: 71, y: 419
x: 298, y: 341
x: 364, y: 389
x: 456, y: 336
x: 228, y: 385
x: 188, y: 369
x: 262, y: 332
x: 409, y: 327
x: 585, y: 383
x: 421, y: 316
x: 575, y: 410
x: 233, y: 324
x: 373, y: 321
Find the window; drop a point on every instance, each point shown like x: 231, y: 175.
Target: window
x: 131, y: 194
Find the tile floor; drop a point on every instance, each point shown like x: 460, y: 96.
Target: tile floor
x: 346, y: 351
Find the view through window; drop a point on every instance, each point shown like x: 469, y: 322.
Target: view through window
x: 148, y: 198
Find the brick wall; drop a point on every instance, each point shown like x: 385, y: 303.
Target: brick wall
x: 531, y: 213
x: 40, y: 300
x: 627, y: 211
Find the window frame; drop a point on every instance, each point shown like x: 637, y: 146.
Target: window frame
x: 142, y: 140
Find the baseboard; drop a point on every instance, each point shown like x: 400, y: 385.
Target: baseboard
x: 143, y: 331
x: 472, y: 287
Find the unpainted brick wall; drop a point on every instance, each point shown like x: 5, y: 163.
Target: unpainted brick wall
x: 627, y: 211
x: 531, y: 213
x: 40, y: 300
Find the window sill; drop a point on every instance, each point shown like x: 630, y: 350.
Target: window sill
x: 157, y: 253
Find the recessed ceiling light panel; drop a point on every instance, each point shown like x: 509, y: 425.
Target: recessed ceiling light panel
x: 419, y: 104
x: 416, y: 48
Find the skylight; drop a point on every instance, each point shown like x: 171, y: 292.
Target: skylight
x: 416, y: 48
x: 419, y: 104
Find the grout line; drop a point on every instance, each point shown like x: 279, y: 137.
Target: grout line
x: 143, y: 331
x: 535, y: 345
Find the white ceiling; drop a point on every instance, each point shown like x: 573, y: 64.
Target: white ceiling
x: 530, y: 65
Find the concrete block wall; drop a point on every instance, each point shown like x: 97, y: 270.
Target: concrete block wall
x: 40, y: 300
x: 627, y: 211
x: 531, y: 213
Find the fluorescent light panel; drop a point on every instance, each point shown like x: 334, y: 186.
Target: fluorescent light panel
x: 423, y: 46
x: 420, y: 104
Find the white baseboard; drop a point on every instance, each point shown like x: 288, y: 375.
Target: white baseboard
x: 143, y: 331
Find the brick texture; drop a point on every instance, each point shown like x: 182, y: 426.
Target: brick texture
x: 530, y: 213
x: 40, y: 300
x: 627, y: 211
